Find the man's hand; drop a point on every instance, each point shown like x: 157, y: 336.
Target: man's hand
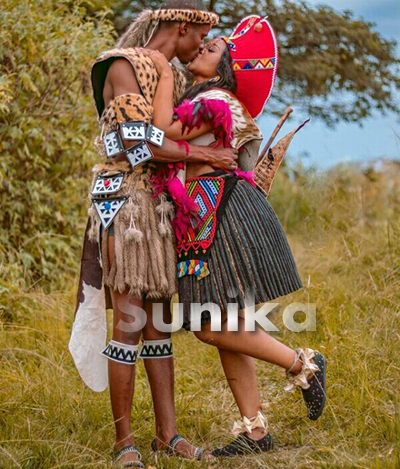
x: 223, y: 158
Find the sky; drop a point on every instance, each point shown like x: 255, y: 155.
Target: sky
x: 319, y: 146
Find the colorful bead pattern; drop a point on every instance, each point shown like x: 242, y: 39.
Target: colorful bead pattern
x: 254, y: 64
x: 193, y: 267
x: 207, y: 193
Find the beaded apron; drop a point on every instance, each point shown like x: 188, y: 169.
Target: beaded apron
x: 211, y: 193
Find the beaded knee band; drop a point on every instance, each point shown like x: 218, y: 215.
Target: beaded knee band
x: 121, y: 353
x: 156, y: 349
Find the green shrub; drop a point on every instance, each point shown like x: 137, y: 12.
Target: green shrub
x: 47, y: 128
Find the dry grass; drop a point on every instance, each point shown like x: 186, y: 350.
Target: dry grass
x: 50, y: 420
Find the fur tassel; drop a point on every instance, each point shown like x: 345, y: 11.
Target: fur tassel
x: 165, y: 208
x: 104, y: 260
x: 129, y: 217
x: 131, y: 267
x: 166, y: 211
x: 164, y: 229
x: 119, y: 281
x: 130, y: 212
x: 99, y: 145
x: 170, y: 259
x: 132, y: 234
x: 157, y: 255
x: 94, y: 230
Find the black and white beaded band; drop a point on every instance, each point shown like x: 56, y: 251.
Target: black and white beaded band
x: 156, y: 349
x: 134, y: 131
x: 122, y: 353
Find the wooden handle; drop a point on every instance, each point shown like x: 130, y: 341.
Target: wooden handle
x: 274, y: 134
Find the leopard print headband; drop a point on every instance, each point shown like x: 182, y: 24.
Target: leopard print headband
x: 189, y: 16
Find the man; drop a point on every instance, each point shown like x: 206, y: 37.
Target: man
x: 128, y: 254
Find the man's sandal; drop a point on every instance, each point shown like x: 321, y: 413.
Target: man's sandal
x: 199, y: 453
x: 126, y: 449
x: 244, y: 445
x: 311, y: 380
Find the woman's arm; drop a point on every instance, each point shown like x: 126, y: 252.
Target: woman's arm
x: 163, y: 102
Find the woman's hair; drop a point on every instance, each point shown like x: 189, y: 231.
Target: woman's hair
x: 226, y: 82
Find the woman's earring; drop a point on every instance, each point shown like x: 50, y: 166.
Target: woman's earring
x: 215, y: 79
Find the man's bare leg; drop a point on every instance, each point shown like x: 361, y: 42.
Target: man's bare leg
x: 122, y: 376
x: 160, y: 372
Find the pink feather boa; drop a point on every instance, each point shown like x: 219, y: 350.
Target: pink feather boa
x: 246, y: 175
x: 165, y: 179
x: 217, y: 112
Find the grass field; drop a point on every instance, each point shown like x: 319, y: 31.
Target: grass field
x: 347, y: 249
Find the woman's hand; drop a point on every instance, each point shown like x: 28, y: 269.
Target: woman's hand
x: 159, y: 60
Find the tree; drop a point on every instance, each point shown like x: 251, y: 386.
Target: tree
x: 334, y: 66
x: 47, y: 128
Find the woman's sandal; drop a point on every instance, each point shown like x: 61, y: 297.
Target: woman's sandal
x: 126, y: 449
x: 244, y: 445
x: 311, y: 380
x: 199, y: 453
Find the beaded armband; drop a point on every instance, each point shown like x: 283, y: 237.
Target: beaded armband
x: 135, y: 131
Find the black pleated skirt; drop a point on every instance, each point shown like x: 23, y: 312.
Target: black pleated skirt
x: 250, y: 260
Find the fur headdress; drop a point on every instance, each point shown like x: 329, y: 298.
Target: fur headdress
x: 146, y: 24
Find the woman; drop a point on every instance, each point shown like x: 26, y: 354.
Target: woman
x: 234, y: 245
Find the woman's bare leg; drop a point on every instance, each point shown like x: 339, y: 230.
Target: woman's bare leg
x: 257, y: 344
x: 240, y: 373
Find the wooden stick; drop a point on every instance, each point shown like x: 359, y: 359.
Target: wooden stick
x: 274, y: 134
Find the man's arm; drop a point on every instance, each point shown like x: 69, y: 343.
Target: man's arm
x: 121, y: 79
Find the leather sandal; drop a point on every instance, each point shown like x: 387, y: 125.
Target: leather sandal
x: 199, y: 453
x: 126, y: 449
